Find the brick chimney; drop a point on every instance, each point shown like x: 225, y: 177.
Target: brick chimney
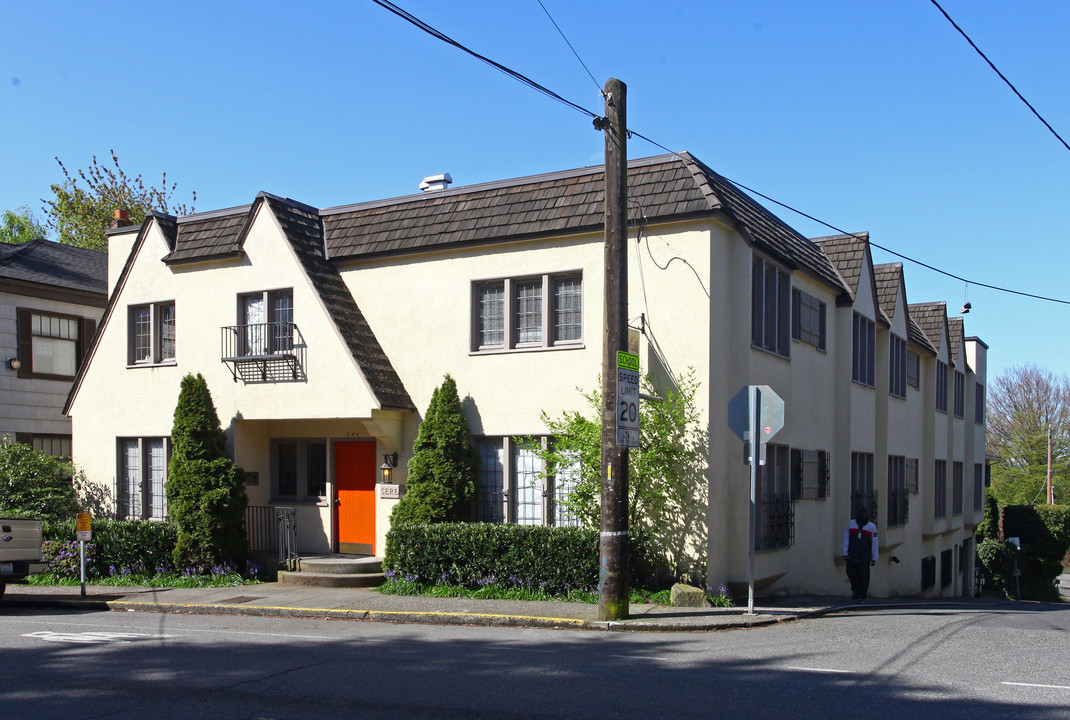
x: 122, y: 219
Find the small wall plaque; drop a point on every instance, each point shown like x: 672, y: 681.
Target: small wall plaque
x: 392, y: 492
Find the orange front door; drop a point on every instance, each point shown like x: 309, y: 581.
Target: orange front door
x: 354, y: 478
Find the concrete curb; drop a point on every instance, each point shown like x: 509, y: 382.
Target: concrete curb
x: 724, y: 621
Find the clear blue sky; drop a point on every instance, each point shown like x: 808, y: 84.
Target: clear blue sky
x: 870, y: 116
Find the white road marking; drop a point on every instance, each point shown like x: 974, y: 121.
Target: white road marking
x: 824, y: 670
x: 638, y: 657
x: 184, y: 630
x: 1038, y: 685
x: 90, y: 638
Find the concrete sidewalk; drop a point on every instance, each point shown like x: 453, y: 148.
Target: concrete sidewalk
x: 274, y: 600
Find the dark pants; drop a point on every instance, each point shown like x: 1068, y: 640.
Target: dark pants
x: 858, y: 574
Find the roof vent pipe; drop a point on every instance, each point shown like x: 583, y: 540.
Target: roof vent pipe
x: 436, y: 182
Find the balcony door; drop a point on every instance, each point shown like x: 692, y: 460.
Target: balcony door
x: 354, y: 477
x: 268, y: 322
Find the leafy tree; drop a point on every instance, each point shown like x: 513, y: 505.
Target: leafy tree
x: 662, y: 471
x: 1024, y: 402
x: 205, y: 489
x: 84, y: 204
x: 34, y: 484
x: 442, y: 470
x: 20, y: 226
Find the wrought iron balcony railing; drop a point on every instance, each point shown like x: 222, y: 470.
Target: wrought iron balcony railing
x: 264, y: 352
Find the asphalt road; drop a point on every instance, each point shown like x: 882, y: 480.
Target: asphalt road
x: 1007, y: 661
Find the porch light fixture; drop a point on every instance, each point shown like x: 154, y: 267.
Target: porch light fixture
x: 14, y: 363
x: 390, y: 461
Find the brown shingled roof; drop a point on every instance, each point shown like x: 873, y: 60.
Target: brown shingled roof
x: 930, y: 318
x: 663, y: 188
x: 888, y: 277
x: 848, y: 254
x: 208, y: 236
x: 956, y: 331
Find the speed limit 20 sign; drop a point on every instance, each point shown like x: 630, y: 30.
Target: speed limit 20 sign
x: 627, y: 399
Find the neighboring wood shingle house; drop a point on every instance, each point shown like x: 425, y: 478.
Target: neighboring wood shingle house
x: 323, y: 332
x: 51, y: 296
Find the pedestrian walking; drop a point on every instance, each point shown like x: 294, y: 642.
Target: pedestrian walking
x: 860, y: 552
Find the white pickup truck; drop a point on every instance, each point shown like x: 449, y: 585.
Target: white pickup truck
x: 20, y: 550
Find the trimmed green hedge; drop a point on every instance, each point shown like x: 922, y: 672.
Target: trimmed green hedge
x: 138, y: 547
x: 1044, y: 533
x: 553, y: 560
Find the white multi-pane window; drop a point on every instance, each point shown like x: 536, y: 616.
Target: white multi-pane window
x: 491, y: 299
x: 151, y: 334
x: 897, y: 367
x: 490, y: 481
x: 513, y: 486
x: 50, y: 345
x: 528, y: 312
x: 774, y: 513
x: 863, y: 358
x: 267, y: 322
x: 770, y: 307
x: 565, y: 479
x: 807, y: 319
x: 940, y: 489
x: 142, y: 477
x: 941, y: 386
x: 536, y: 312
x: 55, y: 345
x: 897, y: 491
x: 957, y: 471
x: 527, y: 468
x: 568, y: 309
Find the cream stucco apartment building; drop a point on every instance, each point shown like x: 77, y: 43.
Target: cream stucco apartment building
x: 51, y: 296
x: 323, y: 332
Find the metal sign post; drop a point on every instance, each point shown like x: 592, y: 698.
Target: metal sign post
x: 755, y: 414
x: 83, y: 533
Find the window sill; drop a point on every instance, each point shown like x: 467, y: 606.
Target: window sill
x: 859, y: 383
x: 767, y: 351
x: 166, y: 363
x: 42, y: 376
x: 527, y: 349
x: 308, y: 502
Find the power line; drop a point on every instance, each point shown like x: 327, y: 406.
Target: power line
x: 569, y: 45
x: 1001, y: 75
x: 898, y: 255
x: 409, y: 17
x: 549, y: 93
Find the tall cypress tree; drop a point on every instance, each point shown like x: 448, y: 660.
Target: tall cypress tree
x: 442, y: 471
x: 205, y: 489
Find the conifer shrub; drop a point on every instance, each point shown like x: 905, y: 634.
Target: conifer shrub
x: 441, y: 478
x: 205, y: 490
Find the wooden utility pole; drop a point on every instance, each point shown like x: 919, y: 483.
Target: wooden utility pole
x: 613, y: 547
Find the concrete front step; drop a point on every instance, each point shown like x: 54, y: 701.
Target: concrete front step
x: 340, y: 564
x: 336, y: 571
x: 331, y: 579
